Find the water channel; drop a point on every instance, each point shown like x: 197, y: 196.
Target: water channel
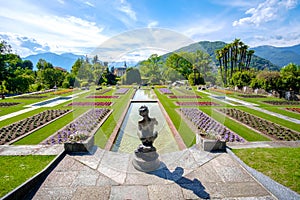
x: 127, y: 139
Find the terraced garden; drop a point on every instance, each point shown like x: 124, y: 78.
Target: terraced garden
x: 190, y: 111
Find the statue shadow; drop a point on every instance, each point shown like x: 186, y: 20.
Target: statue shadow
x: 178, y: 178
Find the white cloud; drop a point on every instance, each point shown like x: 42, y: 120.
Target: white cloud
x: 152, y: 24
x: 265, y: 12
x: 125, y: 7
x: 61, y: 1
x: 62, y: 33
x: 203, y: 28
x: 89, y: 4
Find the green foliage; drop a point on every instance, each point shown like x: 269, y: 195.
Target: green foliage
x: 132, y: 76
x: 242, y: 78
x: 151, y: 69
x: 233, y: 57
x: 196, y: 79
x: 290, y: 76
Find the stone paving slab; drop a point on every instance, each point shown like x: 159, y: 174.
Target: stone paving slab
x: 11, y: 150
x: 182, y: 176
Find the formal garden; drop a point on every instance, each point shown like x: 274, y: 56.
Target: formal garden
x: 84, y: 106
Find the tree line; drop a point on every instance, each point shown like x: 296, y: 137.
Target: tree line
x: 17, y: 76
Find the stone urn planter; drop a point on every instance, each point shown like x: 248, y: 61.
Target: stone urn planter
x: 80, y: 146
x: 208, y: 144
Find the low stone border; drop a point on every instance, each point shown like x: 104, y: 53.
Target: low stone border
x: 29, y: 188
x: 278, y: 190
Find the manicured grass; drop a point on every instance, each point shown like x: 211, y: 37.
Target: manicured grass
x: 15, y: 170
x: 103, y: 134
x: 238, y: 128
x: 187, y: 135
x: 280, y: 164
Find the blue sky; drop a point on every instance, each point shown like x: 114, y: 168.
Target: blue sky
x: 80, y: 26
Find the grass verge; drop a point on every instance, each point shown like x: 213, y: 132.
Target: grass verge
x: 15, y: 170
x: 187, y: 135
x: 280, y: 164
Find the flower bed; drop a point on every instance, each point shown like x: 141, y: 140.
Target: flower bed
x: 90, y: 104
x: 62, y: 92
x: 103, y: 91
x: 297, y: 110
x: 80, y: 129
x: 30, y: 97
x: 197, y: 103
x: 221, y: 91
x: 103, y: 97
x: 165, y: 91
x: 269, y: 128
x: 18, y: 129
x: 184, y: 97
x: 206, y: 124
x: 7, y: 104
x: 279, y: 103
x: 251, y: 96
x: 122, y: 91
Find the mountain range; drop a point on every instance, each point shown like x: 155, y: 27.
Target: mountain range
x: 65, y: 60
x: 280, y: 56
x: 273, y: 58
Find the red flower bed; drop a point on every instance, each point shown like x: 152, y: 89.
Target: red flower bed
x: 197, y: 104
x: 184, y: 97
x: 30, y: 97
x: 7, y: 104
x: 294, y: 109
x: 103, y: 97
x: 90, y: 104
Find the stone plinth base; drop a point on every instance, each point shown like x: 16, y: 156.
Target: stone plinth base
x: 146, y: 162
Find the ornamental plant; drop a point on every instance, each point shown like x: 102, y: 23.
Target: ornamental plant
x: 207, y: 125
x: 80, y: 129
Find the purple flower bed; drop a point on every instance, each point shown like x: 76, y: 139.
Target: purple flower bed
x: 81, y: 128
x: 90, y: 104
x: 208, y: 103
x: 122, y: 91
x: 205, y: 123
x: 17, y: 129
x: 103, y: 97
x: 165, y: 91
x: 185, y: 97
x: 7, y: 104
x: 262, y: 125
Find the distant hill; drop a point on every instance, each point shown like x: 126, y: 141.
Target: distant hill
x: 65, y: 60
x: 280, y: 56
x: 210, y: 47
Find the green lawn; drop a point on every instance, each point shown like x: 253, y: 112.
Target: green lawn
x: 103, y: 134
x: 15, y: 170
x: 187, y: 135
x: 280, y: 164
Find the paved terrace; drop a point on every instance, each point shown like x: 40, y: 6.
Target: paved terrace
x: 187, y: 174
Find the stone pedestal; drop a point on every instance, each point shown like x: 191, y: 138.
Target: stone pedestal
x: 146, y: 161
